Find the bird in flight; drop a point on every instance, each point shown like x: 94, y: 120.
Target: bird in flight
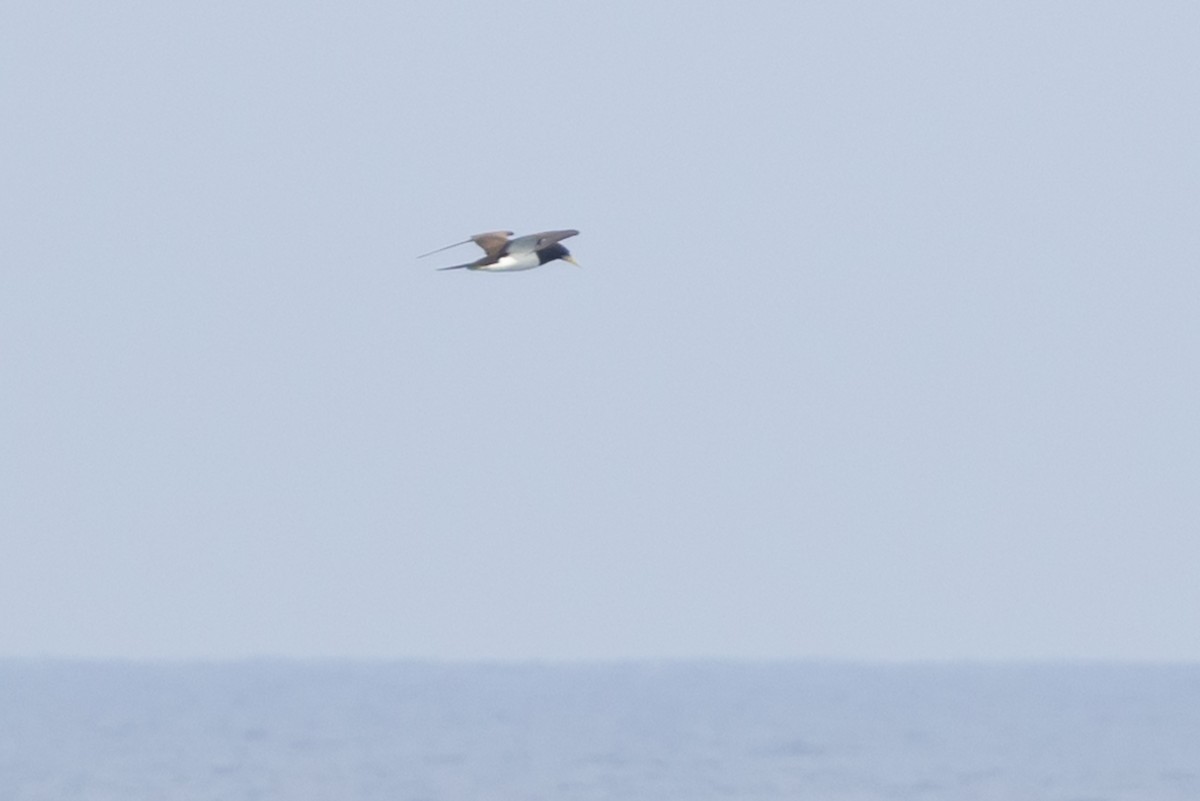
x: 502, y: 254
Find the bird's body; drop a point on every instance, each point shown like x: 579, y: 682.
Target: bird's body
x: 504, y: 255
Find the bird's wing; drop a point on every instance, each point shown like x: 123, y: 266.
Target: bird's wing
x: 531, y: 242
x: 492, y: 242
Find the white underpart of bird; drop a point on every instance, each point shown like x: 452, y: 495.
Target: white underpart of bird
x: 511, y: 263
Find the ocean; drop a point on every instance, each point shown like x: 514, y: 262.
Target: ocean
x: 276, y: 730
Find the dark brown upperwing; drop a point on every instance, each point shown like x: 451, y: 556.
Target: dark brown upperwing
x: 492, y: 242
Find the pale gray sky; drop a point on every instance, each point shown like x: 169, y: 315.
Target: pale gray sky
x: 884, y: 345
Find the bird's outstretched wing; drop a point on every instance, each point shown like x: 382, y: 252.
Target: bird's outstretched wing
x: 532, y: 242
x: 492, y: 242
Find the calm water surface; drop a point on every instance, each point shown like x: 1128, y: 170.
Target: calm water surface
x: 416, y: 732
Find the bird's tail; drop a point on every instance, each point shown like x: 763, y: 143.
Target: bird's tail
x: 457, y: 267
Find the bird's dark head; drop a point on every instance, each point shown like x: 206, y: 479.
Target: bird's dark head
x: 555, y: 251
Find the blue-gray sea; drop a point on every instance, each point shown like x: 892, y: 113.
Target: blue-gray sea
x: 636, y: 732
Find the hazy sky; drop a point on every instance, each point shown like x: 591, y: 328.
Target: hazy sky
x: 886, y: 342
